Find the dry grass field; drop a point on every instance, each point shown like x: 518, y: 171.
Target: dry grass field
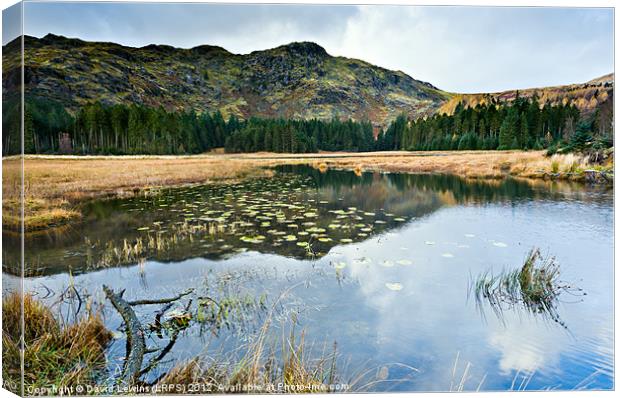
x: 54, y: 186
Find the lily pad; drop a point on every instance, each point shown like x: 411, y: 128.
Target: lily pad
x: 394, y: 286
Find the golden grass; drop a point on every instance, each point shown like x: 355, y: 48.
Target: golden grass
x: 55, y: 185
x: 286, y: 371
x: 54, y: 356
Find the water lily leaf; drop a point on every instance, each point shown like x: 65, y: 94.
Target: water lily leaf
x: 290, y: 238
x: 500, y: 244
x: 405, y: 262
x: 346, y: 240
x: 399, y: 219
x: 469, y: 235
x: 429, y: 242
x: 387, y: 263
x: 325, y: 239
x: 395, y: 286
x: 143, y: 228
x: 447, y: 255
x: 339, y: 264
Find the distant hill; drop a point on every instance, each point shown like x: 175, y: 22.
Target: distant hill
x: 298, y: 80
x: 587, y: 97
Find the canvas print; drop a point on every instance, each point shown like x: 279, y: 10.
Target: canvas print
x: 281, y: 198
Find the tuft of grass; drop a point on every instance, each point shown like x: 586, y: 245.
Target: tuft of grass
x: 54, y: 355
x: 535, y: 286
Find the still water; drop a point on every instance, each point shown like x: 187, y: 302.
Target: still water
x: 381, y: 265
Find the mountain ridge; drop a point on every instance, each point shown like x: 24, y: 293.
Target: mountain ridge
x: 295, y: 80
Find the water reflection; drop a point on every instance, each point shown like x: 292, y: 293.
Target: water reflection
x: 301, y: 212
x: 396, y: 295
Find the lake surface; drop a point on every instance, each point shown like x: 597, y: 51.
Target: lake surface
x: 380, y: 264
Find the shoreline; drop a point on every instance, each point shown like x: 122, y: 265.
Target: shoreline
x: 57, y: 185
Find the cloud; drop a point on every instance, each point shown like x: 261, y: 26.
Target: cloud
x: 471, y: 49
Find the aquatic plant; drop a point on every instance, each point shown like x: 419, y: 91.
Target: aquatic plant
x: 535, y: 287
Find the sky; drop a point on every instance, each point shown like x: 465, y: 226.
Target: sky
x: 458, y: 49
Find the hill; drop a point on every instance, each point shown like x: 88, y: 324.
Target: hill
x: 298, y: 80
x: 587, y: 97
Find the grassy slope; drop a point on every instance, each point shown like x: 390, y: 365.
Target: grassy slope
x: 585, y: 96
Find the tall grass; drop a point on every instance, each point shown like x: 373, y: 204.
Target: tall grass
x: 54, y: 355
x: 569, y: 163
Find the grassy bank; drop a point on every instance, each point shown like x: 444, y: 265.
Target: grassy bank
x: 54, y: 186
x: 54, y: 354
x: 65, y: 358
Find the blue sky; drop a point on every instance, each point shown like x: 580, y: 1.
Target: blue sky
x: 460, y: 49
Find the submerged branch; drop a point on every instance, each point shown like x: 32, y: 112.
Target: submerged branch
x: 160, y: 301
x: 135, y: 337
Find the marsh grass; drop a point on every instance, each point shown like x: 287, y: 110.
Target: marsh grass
x: 535, y: 286
x: 55, y: 186
x: 286, y: 369
x: 54, y: 355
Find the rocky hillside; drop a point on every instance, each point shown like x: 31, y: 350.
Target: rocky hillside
x: 586, y: 96
x: 298, y: 80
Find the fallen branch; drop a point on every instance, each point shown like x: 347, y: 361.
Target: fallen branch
x: 135, y: 337
x: 160, y: 301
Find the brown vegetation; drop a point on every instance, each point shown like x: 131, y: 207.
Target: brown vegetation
x: 54, y: 355
x: 54, y: 186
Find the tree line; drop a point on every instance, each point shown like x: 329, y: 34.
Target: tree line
x: 301, y: 136
x: 136, y: 129
x: 521, y: 124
